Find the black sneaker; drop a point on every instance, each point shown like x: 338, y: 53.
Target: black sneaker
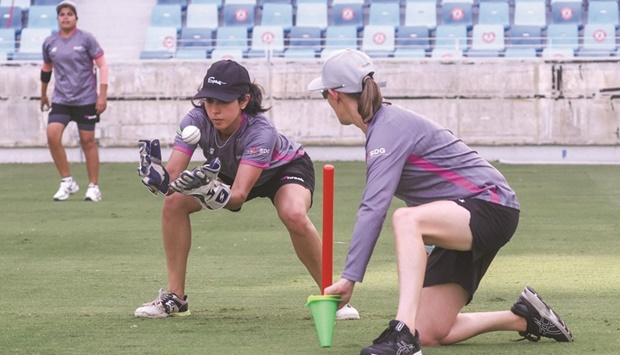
x: 395, y: 340
x: 542, y: 321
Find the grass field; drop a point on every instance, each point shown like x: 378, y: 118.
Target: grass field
x: 72, y: 273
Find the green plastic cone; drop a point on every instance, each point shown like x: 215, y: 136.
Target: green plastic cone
x: 323, y: 310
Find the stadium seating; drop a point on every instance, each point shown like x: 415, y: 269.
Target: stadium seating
x: 384, y: 14
x: 512, y: 52
x: 159, y: 43
x: 202, y: 16
x: 11, y: 18
x: 530, y: 13
x: 195, y: 43
x: 231, y: 38
x: 167, y: 16
x: 598, y: 40
x: 421, y: 13
x: 563, y: 36
x: 31, y: 42
x: 442, y: 53
x: 227, y: 53
x: 314, y: 15
x: 267, y: 41
x: 378, y: 41
x: 457, y: 13
x: 46, y: 2
x: 42, y: 16
x: 304, y: 42
x: 23, y: 5
x: 412, y: 41
x: 567, y: 12
x: 526, y: 37
x: 7, y: 43
x: 339, y: 37
x: 487, y: 40
x: 557, y: 53
x: 182, y: 3
x: 348, y: 15
x: 494, y: 13
x: 202, y: 2
x: 603, y: 12
x: 242, y: 15
x: 451, y: 37
x: 278, y: 14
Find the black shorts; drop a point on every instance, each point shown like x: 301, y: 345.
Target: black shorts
x: 492, y: 226
x: 299, y: 171
x: 85, y: 116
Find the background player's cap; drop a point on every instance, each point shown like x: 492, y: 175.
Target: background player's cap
x: 344, y: 71
x: 226, y: 80
x: 66, y: 3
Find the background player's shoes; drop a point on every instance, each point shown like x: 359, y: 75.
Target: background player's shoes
x: 65, y: 190
x: 542, y: 321
x: 347, y: 313
x: 93, y: 193
x: 166, y: 304
x: 395, y: 340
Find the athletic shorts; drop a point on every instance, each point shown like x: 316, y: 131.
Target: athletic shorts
x: 492, y: 226
x: 85, y: 116
x: 299, y: 171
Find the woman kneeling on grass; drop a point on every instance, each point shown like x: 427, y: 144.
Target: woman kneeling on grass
x: 455, y: 200
x: 246, y: 158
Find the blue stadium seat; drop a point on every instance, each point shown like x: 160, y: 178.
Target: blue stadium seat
x: 304, y: 42
x: 43, y: 16
x: 31, y: 43
x: 336, y: 2
x: 412, y: 39
x: 494, y: 13
x: 11, y: 18
x: 46, y: 2
x: 7, y: 42
x: 451, y: 37
x: 563, y: 36
x: 232, y: 37
x: 182, y: 3
x: 457, y: 13
x: 167, y: 16
x: 530, y: 13
x: 159, y: 43
x: 557, y: 53
x: 227, y: 53
x: 487, y: 40
x: 567, y: 12
x: 339, y: 37
x: 348, y: 15
x: 384, y: 14
x: 603, y: 12
x: 314, y: 15
x: 241, y: 15
x: 512, y: 52
x: 202, y: 2
x: 378, y: 41
x: 267, y: 41
x: 278, y: 14
x: 598, y: 40
x: 240, y: 2
x: 421, y: 13
x: 525, y: 37
x: 202, y: 16
x: 443, y: 53
x: 195, y: 43
x: 23, y: 5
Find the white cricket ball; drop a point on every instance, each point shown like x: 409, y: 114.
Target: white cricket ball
x: 191, y: 135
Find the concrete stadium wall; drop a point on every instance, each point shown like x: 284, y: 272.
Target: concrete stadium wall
x: 498, y: 102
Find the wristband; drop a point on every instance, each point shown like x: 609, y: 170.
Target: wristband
x: 46, y: 76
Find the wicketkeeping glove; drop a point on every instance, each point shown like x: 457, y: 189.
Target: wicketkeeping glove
x: 201, y: 183
x: 154, y: 175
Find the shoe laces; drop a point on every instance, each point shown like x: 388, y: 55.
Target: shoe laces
x: 528, y: 336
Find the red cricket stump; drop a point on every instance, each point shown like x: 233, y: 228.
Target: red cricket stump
x: 328, y: 227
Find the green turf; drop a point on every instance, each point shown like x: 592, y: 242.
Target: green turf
x: 73, y: 272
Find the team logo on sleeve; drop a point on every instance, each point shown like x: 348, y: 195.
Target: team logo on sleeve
x: 374, y: 153
x: 257, y: 151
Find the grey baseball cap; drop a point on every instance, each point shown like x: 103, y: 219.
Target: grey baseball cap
x: 344, y: 71
x: 66, y: 3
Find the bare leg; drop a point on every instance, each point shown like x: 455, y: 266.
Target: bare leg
x: 91, y: 152
x: 292, y: 202
x: 54, y: 141
x: 177, y: 238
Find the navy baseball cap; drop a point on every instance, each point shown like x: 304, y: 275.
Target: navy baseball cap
x: 226, y: 80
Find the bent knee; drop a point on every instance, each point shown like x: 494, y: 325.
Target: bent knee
x: 405, y: 216
x: 178, y: 203
x: 430, y: 338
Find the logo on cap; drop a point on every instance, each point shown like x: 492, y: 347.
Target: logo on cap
x: 213, y: 80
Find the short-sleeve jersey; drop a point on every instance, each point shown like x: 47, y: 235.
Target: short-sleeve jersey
x: 72, y: 59
x: 256, y: 143
x: 418, y: 161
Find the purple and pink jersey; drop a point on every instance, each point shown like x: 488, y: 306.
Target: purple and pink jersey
x: 255, y: 143
x: 418, y: 161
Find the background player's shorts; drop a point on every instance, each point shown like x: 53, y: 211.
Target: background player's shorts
x: 299, y: 171
x: 85, y: 116
x: 492, y: 226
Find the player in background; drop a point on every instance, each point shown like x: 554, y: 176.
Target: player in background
x: 70, y: 53
x: 246, y: 159
x: 455, y: 201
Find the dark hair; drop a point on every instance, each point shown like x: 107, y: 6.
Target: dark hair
x: 369, y: 100
x: 254, y: 106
